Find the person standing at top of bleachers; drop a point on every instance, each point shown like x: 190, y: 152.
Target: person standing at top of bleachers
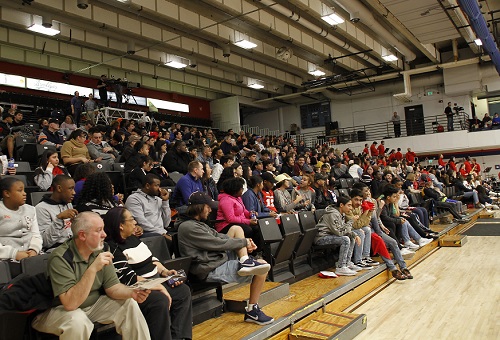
x: 373, y: 149
x: 76, y: 107
x: 381, y: 149
x: 19, y: 235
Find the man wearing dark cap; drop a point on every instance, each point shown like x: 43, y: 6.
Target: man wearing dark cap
x: 7, y: 142
x: 221, y: 257
x: 50, y: 135
x: 340, y: 170
x: 323, y: 196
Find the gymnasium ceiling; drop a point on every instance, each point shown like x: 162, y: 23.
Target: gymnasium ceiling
x: 134, y: 38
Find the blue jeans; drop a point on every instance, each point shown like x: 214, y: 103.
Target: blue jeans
x: 362, y: 251
x: 472, y: 194
x: 450, y: 123
x: 407, y: 231
x: 228, y: 271
x: 346, y: 247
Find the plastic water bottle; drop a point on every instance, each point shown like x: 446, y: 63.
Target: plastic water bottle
x: 253, y: 215
x: 11, y: 169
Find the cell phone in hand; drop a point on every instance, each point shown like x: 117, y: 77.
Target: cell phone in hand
x: 179, y: 277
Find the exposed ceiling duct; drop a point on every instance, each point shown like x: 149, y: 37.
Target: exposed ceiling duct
x: 404, y: 97
x: 359, y: 12
x: 476, y: 19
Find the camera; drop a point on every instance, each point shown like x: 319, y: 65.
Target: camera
x: 82, y: 4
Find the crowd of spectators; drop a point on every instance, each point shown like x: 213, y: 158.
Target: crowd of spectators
x: 233, y: 181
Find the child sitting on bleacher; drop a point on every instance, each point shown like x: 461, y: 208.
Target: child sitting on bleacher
x: 48, y: 169
x: 19, y: 234
x: 334, y: 229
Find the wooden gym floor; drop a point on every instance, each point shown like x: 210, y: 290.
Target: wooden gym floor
x: 441, y: 279
x: 455, y: 295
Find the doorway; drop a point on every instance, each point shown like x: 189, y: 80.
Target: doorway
x: 414, y: 118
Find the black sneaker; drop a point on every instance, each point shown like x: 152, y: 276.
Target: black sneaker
x: 252, y: 267
x: 363, y: 265
x: 257, y: 316
x: 368, y: 260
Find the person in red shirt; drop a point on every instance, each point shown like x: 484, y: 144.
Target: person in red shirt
x: 373, y: 149
x: 451, y: 164
x: 381, y: 149
x: 398, y: 155
x: 476, y: 168
x: 441, y: 161
x: 365, y: 150
x: 392, y: 156
x: 467, y: 166
x: 410, y: 156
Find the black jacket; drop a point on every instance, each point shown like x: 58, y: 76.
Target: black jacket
x: 175, y: 161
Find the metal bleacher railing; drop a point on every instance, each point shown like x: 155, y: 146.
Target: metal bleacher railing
x: 361, y: 133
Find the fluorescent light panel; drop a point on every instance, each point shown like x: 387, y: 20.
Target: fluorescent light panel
x: 245, y: 44
x: 255, y: 84
x: 333, y: 19
x: 478, y: 42
x: 176, y: 62
x: 43, y: 30
x: 389, y: 57
x: 317, y: 73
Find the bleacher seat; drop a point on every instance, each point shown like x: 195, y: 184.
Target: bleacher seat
x: 318, y: 213
x: 4, y: 273
x: 22, y: 167
x: 343, y: 183
x: 118, y: 180
x: 102, y: 166
x: 350, y: 182
x: 37, y: 196
x: 30, y: 177
x: 35, y: 264
x: 119, y: 167
x: 344, y: 192
x: 159, y: 248
x: 278, y: 248
x: 175, y: 176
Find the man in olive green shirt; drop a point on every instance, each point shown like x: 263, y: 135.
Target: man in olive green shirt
x: 79, y: 271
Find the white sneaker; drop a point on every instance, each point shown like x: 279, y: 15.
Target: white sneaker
x: 411, y: 245
x: 354, y: 267
x: 345, y: 271
x: 423, y: 241
x: 407, y: 254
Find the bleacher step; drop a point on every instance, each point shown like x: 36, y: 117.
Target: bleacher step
x: 330, y: 325
x: 206, y: 308
x: 236, y: 300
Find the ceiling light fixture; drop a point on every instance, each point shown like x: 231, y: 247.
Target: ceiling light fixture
x: 43, y: 30
x: 389, y: 57
x: 243, y: 43
x: 478, y: 42
x: 255, y: 84
x: 315, y: 71
x: 176, y: 61
x: 333, y: 19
